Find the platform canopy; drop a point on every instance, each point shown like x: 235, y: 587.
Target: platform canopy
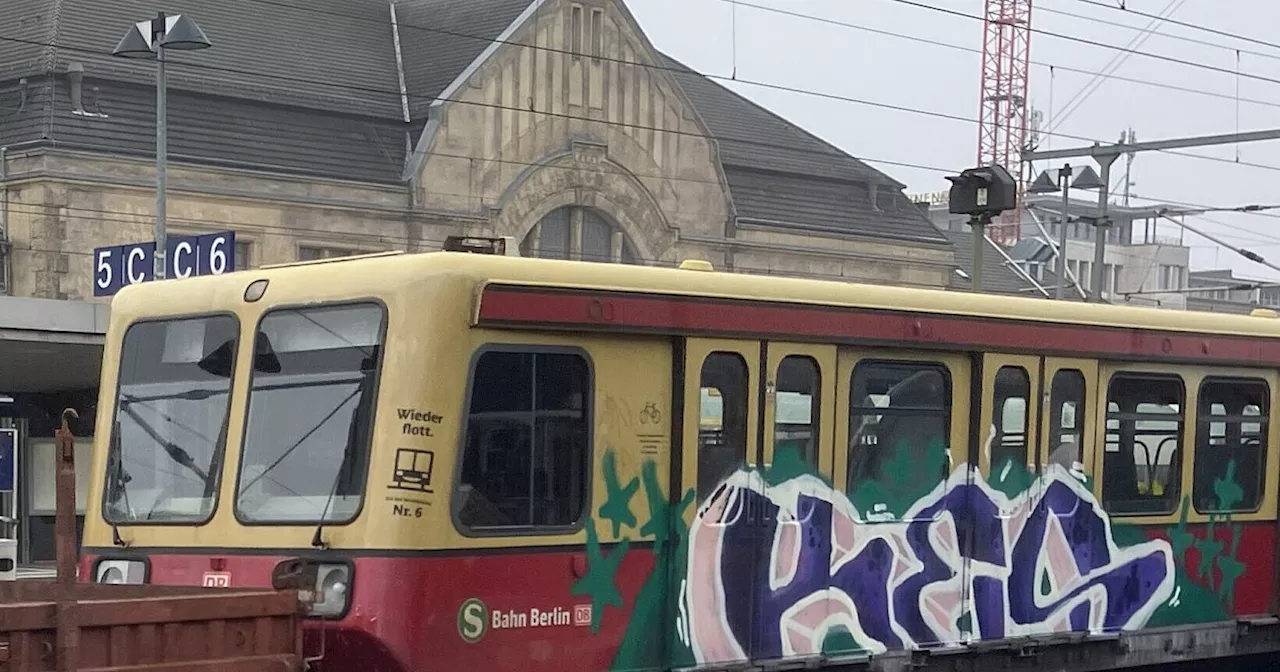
x: 50, y: 346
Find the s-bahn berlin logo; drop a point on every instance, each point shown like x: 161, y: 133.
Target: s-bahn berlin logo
x: 475, y: 619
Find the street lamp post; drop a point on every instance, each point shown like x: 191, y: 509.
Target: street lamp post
x: 148, y: 40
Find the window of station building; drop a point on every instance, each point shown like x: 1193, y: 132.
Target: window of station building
x: 1142, y: 457
x: 1231, y: 445
x: 797, y: 407
x: 900, y: 423
x: 526, y: 462
x: 167, y: 439
x: 1009, y: 418
x: 244, y: 255
x: 1066, y: 417
x: 578, y: 233
x: 722, y: 426
x: 318, y: 368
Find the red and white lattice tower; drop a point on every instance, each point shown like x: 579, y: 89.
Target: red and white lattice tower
x: 1002, y: 122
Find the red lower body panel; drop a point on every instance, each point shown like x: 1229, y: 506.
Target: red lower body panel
x: 448, y: 613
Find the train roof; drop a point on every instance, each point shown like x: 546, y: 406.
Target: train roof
x: 691, y: 279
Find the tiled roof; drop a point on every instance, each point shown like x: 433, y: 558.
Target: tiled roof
x: 823, y: 205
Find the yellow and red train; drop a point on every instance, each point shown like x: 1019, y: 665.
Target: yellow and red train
x: 497, y: 463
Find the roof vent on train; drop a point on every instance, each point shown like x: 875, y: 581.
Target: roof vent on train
x: 696, y: 265
x: 503, y: 246
x: 1262, y: 312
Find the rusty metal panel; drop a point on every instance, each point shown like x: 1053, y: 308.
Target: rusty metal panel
x: 67, y: 626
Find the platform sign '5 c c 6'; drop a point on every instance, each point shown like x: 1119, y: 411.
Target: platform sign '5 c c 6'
x: 185, y: 256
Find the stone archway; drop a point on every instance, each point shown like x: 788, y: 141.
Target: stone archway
x: 579, y: 233
x: 582, y: 185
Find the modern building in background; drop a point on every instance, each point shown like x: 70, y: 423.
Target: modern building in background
x: 1225, y: 292
x: 1140, y: 260
x: 329, y: 128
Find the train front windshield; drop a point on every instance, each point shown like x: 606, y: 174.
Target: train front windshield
x: 304, y: 447
x: 170, y: 419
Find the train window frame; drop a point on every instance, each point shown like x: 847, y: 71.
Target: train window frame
x: 374, y: 401
x: 998, y: 416
x: 232, y: 382
x: 589, y: 413
x: 946, y: 412
x: 1053, y: 422
x: 1205, y: 420
x: 1176, y: 468
x: 712, y: 473
x: 814, y: 379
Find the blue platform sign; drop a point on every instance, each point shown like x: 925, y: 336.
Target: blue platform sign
x: 186, y: 256
x: 8, y: 459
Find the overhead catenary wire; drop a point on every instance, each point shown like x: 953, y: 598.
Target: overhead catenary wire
x: 1186, y: 24
x: 974, y: 50
x: 176, y: 64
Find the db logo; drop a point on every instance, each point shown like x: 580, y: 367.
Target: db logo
x: 217, y: 579
x: 582, y: 614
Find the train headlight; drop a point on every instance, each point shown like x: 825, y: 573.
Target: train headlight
x: 121, y: 572
x: 333, y: 590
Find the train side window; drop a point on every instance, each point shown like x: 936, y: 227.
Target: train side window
x: 1066, y: 417
x: 1009, y: 417
x: 900, y: 423
x: 797, y: 407
x: 722, y: 431
x: 1231, y: 445
x: 1142, y: 459
x: 526, y: 457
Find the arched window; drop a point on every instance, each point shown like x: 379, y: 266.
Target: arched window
x: 578, y: 233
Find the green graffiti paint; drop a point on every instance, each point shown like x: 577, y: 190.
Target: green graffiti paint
x: 1198, y: 595
x: 617, y: 504
x: 656, y: 601
x: 599, y: 583
x: 1011, y: 477
x: 905, y: 478
x: 840, y: 642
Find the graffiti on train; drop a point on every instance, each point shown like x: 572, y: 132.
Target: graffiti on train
x: 1044, y: 560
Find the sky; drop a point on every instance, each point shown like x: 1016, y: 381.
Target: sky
x: 894, y: 74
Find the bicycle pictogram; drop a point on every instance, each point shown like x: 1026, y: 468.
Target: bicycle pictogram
x: 650, y: 415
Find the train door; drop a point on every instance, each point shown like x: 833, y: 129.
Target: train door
x: 1032, y: 459
x: 795, y: 541
x: 720, y: 452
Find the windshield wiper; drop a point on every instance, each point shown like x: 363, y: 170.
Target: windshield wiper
x: 317, y: 539
x: 189, y: 395
x: 315, y: 428
x: 173, y: 450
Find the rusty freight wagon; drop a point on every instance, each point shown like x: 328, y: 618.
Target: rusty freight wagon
x: 66, y: 625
